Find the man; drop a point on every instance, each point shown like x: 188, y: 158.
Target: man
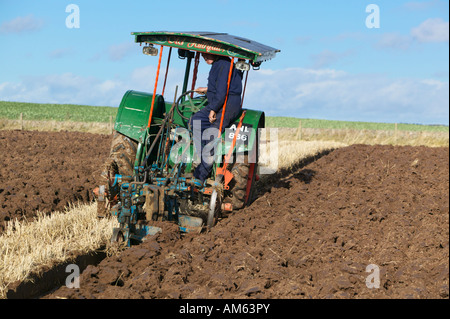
x: 210, y: 116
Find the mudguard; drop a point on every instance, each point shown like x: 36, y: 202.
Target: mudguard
x: 246, y: 140
x: 133, y: 114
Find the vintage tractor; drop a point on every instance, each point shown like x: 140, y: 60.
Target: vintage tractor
x: 149, y: 173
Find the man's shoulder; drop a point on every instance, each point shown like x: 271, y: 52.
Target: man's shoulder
x: 222, y: 60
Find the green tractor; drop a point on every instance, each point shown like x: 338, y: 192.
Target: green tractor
x: 149, y: 173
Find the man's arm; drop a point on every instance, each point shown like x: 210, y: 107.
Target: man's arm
x: 217, y: 84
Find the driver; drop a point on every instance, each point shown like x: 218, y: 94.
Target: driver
x: 210, y: 115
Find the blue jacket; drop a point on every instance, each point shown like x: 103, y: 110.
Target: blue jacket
x: 217, y: 87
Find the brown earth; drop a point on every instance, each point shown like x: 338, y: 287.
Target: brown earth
x: 47, y: 170
x: 311, y: 233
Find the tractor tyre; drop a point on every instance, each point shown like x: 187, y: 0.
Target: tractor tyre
x: 123, y: 153
x: 120, y: 161
x: 242, y: 188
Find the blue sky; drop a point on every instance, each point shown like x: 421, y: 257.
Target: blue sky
x: 331, y: 65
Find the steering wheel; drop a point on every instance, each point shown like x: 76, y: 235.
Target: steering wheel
x: 190, y: 104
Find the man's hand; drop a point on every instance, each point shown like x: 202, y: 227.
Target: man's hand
x: 201, y: 90
x: 212, y: 116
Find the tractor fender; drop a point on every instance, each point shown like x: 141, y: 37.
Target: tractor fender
x: 134, y: 111
x: 246, y: 141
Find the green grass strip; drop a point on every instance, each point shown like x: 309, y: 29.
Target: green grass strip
x: 56, y: 112
x: 86, y: 113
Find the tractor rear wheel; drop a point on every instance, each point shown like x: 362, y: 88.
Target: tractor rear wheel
x: 242, y: 187
x: 123, y: 153
x: 120, y: 161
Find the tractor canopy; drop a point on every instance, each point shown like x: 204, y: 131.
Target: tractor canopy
x: 210, y: 42
x: 141, y: 113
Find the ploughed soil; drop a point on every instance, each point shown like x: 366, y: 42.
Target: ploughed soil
x: 312, y: 232
x: 46, y: 171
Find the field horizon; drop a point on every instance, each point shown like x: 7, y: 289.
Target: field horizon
x: 89, y: 113
x: 101, y: 120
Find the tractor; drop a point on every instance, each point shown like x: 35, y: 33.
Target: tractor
x: 148, y: 175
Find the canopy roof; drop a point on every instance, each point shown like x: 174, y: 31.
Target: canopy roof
x: 210, y: 42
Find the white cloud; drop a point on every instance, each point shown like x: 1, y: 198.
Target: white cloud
x: 143, y: 79
x: 119, y: 51
x: 64, y: 88
x: 431, y: 30
x: 70, y: 88
x: 302, y: 40
x: 327, y: 58
x: 60, y: 53
x: 21, y: 24
x: 332, y: 94
x: 115, y: 52
x: 421, y: 5
x: 297, y: 92
x: 394, y: 41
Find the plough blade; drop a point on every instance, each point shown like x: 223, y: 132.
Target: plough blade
x: 190, y: 224
x: 139, y: 233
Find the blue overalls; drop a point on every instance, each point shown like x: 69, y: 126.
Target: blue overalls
x: 216, y: 94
